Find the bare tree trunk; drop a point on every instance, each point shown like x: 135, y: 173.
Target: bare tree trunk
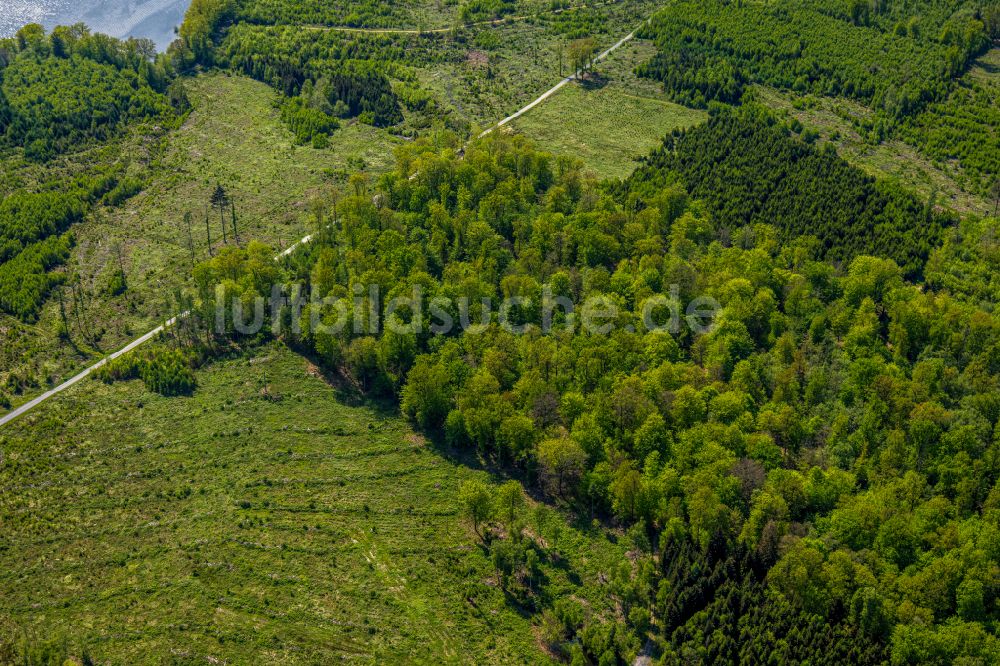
x: 187, y: 221
x: 232, y: 208
x: 121, y: 264
x: 208, y: 232
x: 62, y: 310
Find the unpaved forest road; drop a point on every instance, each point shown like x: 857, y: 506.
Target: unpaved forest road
x: 554, y: 89
x: 28, y: 406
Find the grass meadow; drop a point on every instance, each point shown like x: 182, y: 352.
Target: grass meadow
x: 263, y: 518
x: 611, y: 121
x: 233, y: 137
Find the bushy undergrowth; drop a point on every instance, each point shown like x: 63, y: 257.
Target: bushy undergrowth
x: 169, y: 372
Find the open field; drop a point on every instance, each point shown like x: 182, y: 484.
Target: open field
x: 233, y: 137
x: 610, y: 122
x: 987, y: 69
x: 500, y: 69
x: 261, y: 518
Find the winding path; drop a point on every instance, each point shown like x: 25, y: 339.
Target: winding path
x: 76, y: 379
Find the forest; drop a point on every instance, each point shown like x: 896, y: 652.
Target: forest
x: 749, y: 169
x: 370, y: 13
x: 330, y: 75
x: 708, y: 48
x: 25, y: 279
x: 36, y: 235
x: 963, y: 128
x: 337, y: 75
x: 69, y: 87
x: 376, y: 13
x: 740, y: 406
x: 59, y: 93
x: 903, y: 60
x: 823, y: 455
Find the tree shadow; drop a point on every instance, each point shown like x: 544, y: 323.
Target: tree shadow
x: 347, y: 392
x: 593, y: 80
x: 988, y: 67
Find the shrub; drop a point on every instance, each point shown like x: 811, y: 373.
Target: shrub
x: 116, y: 284
x: 125, y: 190
x: 25, y: 281
x: 308, y: 124
x: 168, y: 372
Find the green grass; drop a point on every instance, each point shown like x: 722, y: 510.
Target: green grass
x: 499, y: 69
x: 987, y: 69
x: 235, y: 137
x: 253, y: 526
x: 608, y: 125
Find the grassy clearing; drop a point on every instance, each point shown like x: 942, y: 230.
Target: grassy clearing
x: 259, y: 520
x: 890, y: 159
x: 502, y: 68
x: 234, y: 137
x: 987, y: 69
x: 611, y: 124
